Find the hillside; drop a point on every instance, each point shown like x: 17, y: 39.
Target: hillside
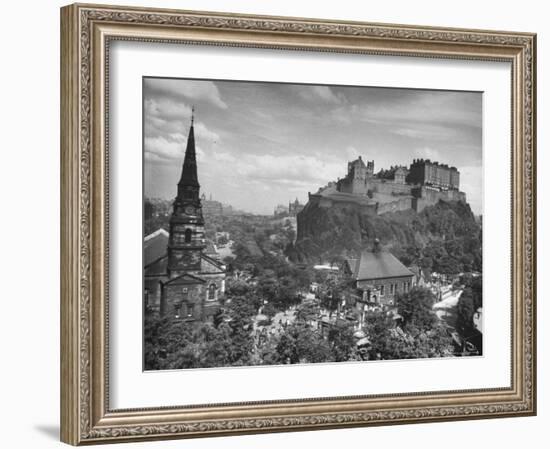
x: 445, y: 237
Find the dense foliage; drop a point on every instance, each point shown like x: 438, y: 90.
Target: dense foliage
x: 468, y: 304
x: 444, y: 238
x: 234, y: 340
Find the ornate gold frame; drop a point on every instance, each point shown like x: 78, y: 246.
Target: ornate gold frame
x: 86, y: 31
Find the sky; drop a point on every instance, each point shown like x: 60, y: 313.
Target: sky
x: 263, y: 144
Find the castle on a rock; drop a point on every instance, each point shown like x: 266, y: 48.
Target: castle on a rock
x: 423, y: 184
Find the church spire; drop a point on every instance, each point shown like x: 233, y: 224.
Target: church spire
x: 189, y: 171
x: 187, y: 240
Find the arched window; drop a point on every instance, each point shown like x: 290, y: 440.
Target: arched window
x: 211, y: 292
x: 188, y: 235
x: 177, y: 310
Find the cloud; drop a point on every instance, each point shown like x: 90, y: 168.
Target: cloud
x: 162, y: 149
x: 167, y: 108
x: 166, y: 127
x: 164, y: 117
x: 203, y: 133
x: 166, y: 150
x: 168, y: 117
x: 471, y: 182
x: 415, y: 113
x: 352, y: 153
x: 424, y: 131
x: 323, y: 93
x: 290, y: 170
x: 184, y: 89
x: 429, y: 153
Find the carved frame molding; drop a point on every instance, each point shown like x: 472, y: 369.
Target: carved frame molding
x: 87, y: 31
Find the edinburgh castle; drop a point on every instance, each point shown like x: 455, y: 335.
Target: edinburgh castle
x: 423, y: 184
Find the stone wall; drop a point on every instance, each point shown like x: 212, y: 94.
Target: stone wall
x: 342, y: 200
x: 152, y: 292
x: 389, y: 187
x: 184, y: 300
x: 425, y: 196
x: 356, y: 186
x: 183, y: 260
x: 193, y: 300
x: 386, y: 196
x: 381, y: 290
x: 399, y: 204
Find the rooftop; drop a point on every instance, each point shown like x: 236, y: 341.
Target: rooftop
x: 377, y: 265
x: 154, y: 246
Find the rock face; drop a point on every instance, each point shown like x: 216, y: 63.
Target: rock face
x: 326, y: 234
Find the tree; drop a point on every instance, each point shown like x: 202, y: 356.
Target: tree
x: 426, y: 263
x: 477, y: 292
x: 465, y: 313
x: 154, y: 331
x: 433, y: 343
x: 148, y: 210
x: 448, y: 265
x: 216, y: 347
x: 335, y: 289
x: 378, y: 327
x: 218, y: 318
x: 240, y: 311
x: 299, y: 343
x: 269, y: 310
x: 307, y: 312
x: 389, y: 341
x: 415, y: 309
x: 343, y: 344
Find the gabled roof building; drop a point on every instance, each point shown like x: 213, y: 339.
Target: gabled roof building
x: 379, y: 276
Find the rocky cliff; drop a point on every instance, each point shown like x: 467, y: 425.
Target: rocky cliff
x: 445, y: 230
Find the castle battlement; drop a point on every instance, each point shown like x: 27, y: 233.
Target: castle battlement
x: 424, y: 183
x: 435, y: 163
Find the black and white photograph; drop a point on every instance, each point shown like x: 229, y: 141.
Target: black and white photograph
x: 296, y: 223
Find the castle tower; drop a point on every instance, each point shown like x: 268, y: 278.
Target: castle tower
x: 186, y: 241
x: 370, y: 168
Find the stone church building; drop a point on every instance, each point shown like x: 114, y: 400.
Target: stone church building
x: 379, y: 276
x: 180, y: 279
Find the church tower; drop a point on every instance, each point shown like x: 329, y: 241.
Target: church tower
x: 187, y: 239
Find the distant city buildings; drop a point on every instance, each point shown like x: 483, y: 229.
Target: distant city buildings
x: 294, y: 207
x: 280, y: 210
x: 211, y: 207
x: 156, y: 207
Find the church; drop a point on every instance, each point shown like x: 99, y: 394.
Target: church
x: 180, y: 279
